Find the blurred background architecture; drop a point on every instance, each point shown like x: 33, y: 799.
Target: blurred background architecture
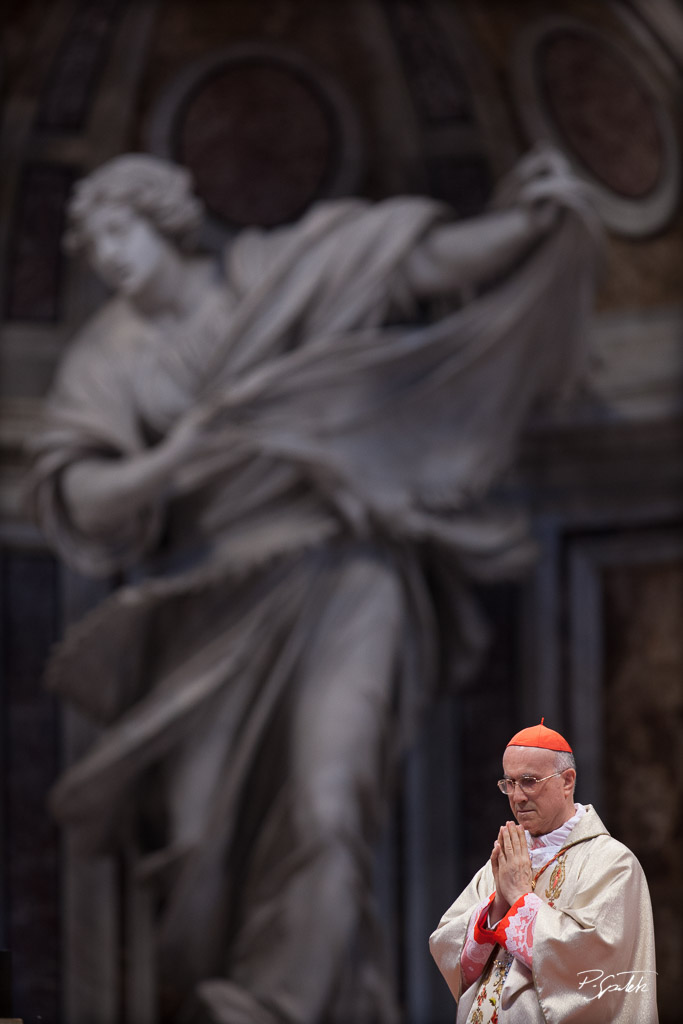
x: 274, y: 104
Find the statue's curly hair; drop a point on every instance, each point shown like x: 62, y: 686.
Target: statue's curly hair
x: 154, y: 188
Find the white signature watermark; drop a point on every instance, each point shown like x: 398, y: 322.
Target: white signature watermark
x: 622, y: 981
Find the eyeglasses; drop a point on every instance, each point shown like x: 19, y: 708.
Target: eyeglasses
x: 528, y: 784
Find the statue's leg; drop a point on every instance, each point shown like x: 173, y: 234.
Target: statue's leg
x: 310, y: 871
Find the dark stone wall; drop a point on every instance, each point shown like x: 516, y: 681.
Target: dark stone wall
x: 30, y: 910
x: 643, y: 714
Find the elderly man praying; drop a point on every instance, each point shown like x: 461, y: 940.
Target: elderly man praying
x: 557, y: 925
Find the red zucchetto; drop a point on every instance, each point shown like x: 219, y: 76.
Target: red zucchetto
x: 540, y: 736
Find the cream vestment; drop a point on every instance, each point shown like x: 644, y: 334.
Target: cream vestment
x: 592, y: 951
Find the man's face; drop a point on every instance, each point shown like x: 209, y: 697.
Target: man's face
x: 552, y: 803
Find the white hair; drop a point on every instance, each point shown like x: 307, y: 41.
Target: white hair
x: 564, y: 759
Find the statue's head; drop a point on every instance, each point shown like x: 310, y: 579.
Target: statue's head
x: 127, y: 214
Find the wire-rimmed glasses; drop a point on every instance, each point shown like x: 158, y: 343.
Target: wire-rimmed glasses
x: 527, y: 783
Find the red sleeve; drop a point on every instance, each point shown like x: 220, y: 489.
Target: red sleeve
x: 475, y: 952
x: 515, y: 932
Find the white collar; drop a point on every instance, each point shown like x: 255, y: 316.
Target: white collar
x: 543, y: 848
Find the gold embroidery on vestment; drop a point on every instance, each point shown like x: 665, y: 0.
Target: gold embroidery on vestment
x: 556, y: 880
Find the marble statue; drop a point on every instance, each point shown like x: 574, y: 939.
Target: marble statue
x: 274, y: 453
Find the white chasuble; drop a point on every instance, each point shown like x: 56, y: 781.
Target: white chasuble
x: 589, y: 956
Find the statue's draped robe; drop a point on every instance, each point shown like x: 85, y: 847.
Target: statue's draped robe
x: 601, y: 921
x: 339, y: 441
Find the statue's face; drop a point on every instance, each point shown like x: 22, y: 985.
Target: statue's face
x: 125, y: 249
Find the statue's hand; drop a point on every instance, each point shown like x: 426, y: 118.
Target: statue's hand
x: 543, y: 183
x: 542, y: 198
x: 543, y: 161
x: 191, y: 433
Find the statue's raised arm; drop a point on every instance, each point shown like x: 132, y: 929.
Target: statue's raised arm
x: 132, y: 406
